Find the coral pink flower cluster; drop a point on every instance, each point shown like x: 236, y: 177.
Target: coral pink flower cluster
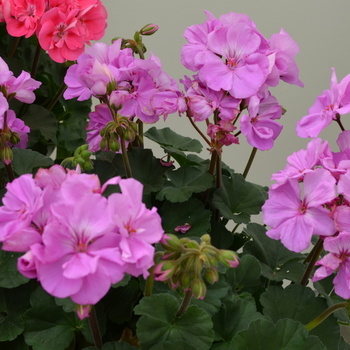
x: 235, y: 67
x: 20, y: 88
x: 312, y: 197
x: 78, y: 243
x: 127, y: 85
x: 62, y: 27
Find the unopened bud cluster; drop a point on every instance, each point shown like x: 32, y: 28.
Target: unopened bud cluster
x: 113, y: 132
x: 187, y: 264
x: 81, y: 157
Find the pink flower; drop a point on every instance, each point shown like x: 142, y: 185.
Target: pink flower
x: 326, y: 108
x: 20, y: 203
x: 259, y: 127
x: 138, y: 226
x: 80, y: 257
x: 337, y: 260
x: 60, y: 36
x: 20, y: 88
x: 22, y: 16
x: 301, y: 162
x: 294, y: 220
x: 244, y: 70
x: 282, y: 64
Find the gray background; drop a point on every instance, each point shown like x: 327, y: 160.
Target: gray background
x: 321, y: 29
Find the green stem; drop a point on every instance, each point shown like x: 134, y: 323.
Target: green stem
x: 314, y: 254
x: 149, y: 282
x: 125, y: 157
x: 319, y: 319
x: 212, y: 165
x: 218, y: 182
x: 185, y: 302
x: 59, y: 93
x: 8, y: 167
x: 14, y: 47
x: 197, y: 129
x: 140, y: 51
x: 35, y: 61
x: 140, y: 131
x: 95, y: 330
x: 250, y: 161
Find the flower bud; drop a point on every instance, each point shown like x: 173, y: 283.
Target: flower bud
x: 85, y: 154
x: 205, y: 238
x: 103, y: 144
x: 83, y: 311
x: 87, y: 165
x: 114, y: 145
x: 170, y: 242
x: 228, y: 258
x: 211, y: 275
x: 185, y: 281
x: 149, y: 29
x: 198, y: 289
x: 6, y: 154
x: 164, y: 270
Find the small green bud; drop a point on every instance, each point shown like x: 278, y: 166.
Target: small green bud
x: 205, y: 238
x: 87, y: 165
x: 114, y: 145
x: 198, y: 288
x: 6, y: 154
x: 85, y: 154
x: 103, y: 144
x: 211, y: 275
x: 228, y: 258
x: 79, y: 160
x: 170, y: 242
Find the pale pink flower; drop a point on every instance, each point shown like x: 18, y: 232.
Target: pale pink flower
x: 330, y: 104
x: 244, y: 69
x: 80, y: 257
x: 293, y: 219
x: 337, y: 260
x: 260, y: 128
x: 138, y: 227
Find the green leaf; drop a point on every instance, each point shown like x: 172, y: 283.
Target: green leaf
x: 9, y: 275
x: 120, y: 302
x: 159, y: 323
x: 39, y: 118
x: 118, y: 346
x: 212, y: 301
x: 221, y: 237
x: 237, y: 199
x: 27, y: 161
x: 233, y: 317
x: 144, y: 167
x: 13, y: 304
x: 183, y: 182
x: 300, y: 304
x: 173, y: 141
x: 286, y: 334
x: 47, y: 326
x: 275, y: 259
x: 17, y: 344
x: 246, y: 276
x: 179, y: 344
x: 67, y: 304
x: 191, y: 212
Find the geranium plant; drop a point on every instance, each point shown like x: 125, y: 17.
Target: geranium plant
x: 104, y: 246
